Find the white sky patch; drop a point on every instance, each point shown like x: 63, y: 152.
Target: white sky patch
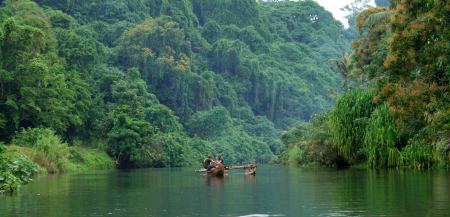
x: 334, y: 6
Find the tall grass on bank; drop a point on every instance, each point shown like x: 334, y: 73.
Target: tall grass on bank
x: 48, y: 151
x: 359, y: 132
x: 348, y: 121
x: 46, y: 148
x: 39, y: 150
x: 419, y: 154
x: 382, y: 134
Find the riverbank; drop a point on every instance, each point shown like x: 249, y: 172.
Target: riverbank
x: 18, y: 165
x: 357, y: 132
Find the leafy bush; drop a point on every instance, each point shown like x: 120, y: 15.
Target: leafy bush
x: 34, y: 137
x: 443, y: 152
x: 15, y: 169
x: 294, y: 154
x: 295, y: 134
x: 317, y: 144
x: 166, y: 150
x: 207, y: 124
x: 309, y: 144
x: 84, y: 159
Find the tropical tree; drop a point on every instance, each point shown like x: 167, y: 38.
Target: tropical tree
x: 343, y: 67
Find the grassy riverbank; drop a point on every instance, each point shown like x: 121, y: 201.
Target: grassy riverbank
x: 33, y: 152
x: 73, y: 159
x: 362, y: 134
x: 18, y: 165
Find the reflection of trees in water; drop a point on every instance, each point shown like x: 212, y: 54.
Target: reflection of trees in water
x: 233, y: 194
x: 290, y: 191
x: 441, y: 194
x: 214, y: 197
x: 375, y: 192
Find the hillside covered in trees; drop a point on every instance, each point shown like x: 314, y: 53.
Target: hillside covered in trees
x: 398, y: 111
x: 158, y: 83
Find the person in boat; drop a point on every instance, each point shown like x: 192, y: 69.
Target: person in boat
x: 219, y: 160
x: 209, y: 163
x: 212, y: 165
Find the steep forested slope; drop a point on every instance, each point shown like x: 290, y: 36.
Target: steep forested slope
x: 162, y: 83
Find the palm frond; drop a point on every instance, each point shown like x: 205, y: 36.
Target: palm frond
x: 376, y: 18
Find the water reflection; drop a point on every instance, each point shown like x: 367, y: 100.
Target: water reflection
x: 274, y: 191
x: 214, y: 181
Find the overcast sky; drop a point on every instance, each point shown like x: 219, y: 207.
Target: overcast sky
x: 334, y: 6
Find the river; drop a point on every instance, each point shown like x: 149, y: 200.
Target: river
x: 274, y: 191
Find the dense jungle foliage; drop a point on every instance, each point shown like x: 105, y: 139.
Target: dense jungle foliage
x: 398, y: 111
x: 157, y: 83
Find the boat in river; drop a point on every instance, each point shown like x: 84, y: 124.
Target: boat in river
x: 220, y: 170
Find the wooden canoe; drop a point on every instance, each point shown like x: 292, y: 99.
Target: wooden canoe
x: 219, y: 171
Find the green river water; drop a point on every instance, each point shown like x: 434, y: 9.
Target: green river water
x: 274, y: 191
